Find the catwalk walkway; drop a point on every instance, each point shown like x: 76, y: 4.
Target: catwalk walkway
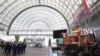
x: 33, y: 52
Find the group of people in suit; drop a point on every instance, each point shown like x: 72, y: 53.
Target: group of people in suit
x: 13, y: 48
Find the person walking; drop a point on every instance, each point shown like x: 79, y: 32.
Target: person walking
x: 14, y: 49
x: 24, y: 47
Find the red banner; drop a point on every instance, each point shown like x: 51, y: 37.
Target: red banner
x: 82, y: 10
x: 86, y: 6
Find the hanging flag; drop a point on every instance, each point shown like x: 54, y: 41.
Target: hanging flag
x: 85, y: 5
x: 81, y: 11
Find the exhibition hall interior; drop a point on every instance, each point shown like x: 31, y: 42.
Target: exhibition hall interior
x: 49, y: 27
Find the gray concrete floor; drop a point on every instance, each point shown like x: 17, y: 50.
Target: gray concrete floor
x: 33, y: 52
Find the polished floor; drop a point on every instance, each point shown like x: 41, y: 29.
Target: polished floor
x: 33, y: 52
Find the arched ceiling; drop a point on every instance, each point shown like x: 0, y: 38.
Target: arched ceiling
x: 39, y: 17
x: 54, y: 10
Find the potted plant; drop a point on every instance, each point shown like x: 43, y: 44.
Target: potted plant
x: 17, y: 38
